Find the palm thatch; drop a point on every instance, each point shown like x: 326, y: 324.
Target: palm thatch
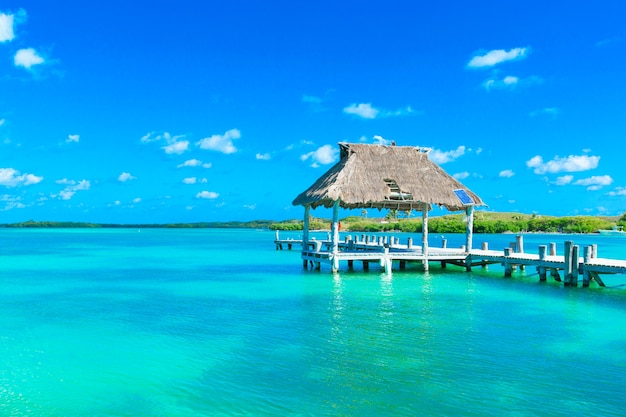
x: 386, y: 177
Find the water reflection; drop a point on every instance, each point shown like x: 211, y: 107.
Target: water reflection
x: 386, y: 309
x: 336, y: 308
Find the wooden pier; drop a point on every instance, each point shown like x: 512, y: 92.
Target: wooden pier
x: 385, y: 251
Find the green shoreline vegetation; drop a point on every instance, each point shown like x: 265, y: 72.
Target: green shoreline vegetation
x: 484, y: 222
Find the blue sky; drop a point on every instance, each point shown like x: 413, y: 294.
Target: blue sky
x: 185, y: 111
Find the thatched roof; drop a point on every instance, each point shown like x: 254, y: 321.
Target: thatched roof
x: 390, y: 177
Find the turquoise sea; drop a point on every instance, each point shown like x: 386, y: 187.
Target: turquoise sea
x: 209, y: 322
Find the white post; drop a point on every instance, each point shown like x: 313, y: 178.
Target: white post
x: 335, y: 237
x: 470, y: 228
x: 425, y: 230
x: 335, y: 231
x: 425, y: 235
x: 305, y: 228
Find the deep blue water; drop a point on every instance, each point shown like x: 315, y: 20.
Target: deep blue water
x: 207, y: 322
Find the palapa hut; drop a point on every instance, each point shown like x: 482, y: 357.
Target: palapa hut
x: 386, y: 177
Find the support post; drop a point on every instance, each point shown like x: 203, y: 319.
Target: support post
x: 334, y: 240
x: 425, y: 231
x: 335, y: 232
x: 586, y: 258
x: 519, y: 245
x: 305, y: 227
x: 305, y: 232
x: 542, y: 256
x: 552, y: 250
x: 575, y: 265
x: 425, y: 235
x: 470, y: 228
x: 567, y: 257
x: 485, y: 247
x: 385, y: 262
x: 508, y: 268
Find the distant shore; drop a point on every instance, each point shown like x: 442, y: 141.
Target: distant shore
x: 484, y: 222
x: 256, y: 224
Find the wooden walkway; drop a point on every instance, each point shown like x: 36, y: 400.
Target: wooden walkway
x: 386, y: 251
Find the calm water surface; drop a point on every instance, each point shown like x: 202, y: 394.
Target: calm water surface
x: 219, y: 323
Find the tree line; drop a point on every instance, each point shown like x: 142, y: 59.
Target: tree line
x: 484, y: 222
x: 457, y: 223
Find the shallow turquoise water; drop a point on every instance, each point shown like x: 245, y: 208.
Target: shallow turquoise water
x: 218, y: 323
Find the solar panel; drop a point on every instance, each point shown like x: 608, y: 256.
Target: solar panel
x: 465, y: 199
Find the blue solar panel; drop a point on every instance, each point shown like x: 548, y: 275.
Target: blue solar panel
x: 466, y: 200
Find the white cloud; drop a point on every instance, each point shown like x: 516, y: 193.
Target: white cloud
x: 381, y: 141
x: 564, y: 180
x: 174, y: 143
x: 73, y: 138
x: 195, y: 163
x: 82, y: 185
x: 27, y: 58
x: 250, y: 206
x: 596, y: 182
x: 608, y: 41
x: 66, y: 194
x: 6, y: 27
x: 126, y: 176
x: 497, y: 56
x: 69, y: 191
x: 153, y: 137
x: 461, y: 175
x: 572, y: 163
x: 441, y: 157
x: 510, y: 82
x: 324, y: 155
x: 617, y: 191
x: 364, y: 110
x: 2, y: 121
x: 11, y: 202
x: 221, y: 143
x: 209, y: 195
x: 507, y: 173
x: 10, y: 177
x: 190, y: 180
x: 400, y: 112
x: 547, y: 111
x: 190, y: 163
x: 507, y: 82
x: 316, y: 104
x: 263, y: 156
x: 137, y: 200
x: 176, y: 147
